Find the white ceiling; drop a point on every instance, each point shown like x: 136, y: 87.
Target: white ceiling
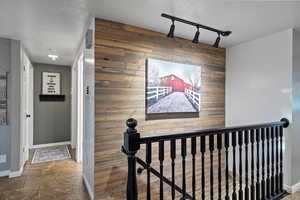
x: 45, y: 24
x: 58, y: 24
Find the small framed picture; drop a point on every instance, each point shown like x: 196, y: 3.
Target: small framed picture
x: 51, y: 83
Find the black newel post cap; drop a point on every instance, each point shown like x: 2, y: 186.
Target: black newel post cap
x: 131, y: 123
x: 131, y: 137
x: 286, y: 122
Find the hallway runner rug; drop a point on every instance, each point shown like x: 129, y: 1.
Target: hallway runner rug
x: 48, y: 154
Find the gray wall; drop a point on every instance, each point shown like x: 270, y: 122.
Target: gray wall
x: 14, y: 102
x: 52, y: 119
x: 10, y: 135
x: 5, y: 47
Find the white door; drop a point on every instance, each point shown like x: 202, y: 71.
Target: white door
x: 24, y: 125
x: 29, y: 119
x: 27, y: 110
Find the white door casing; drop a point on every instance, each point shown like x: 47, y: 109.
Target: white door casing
x: 80, y: 92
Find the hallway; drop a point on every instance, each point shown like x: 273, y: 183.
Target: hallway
x: 58, y: 180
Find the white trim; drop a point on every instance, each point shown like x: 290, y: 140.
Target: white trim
x: 4, y: 173
x: 287, y: 188
x: 88, y: 187
x: 16, y: 173
x: 50, y: 145
x: 292, y: 189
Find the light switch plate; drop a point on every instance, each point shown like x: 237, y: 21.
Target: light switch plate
x: 3, y: 158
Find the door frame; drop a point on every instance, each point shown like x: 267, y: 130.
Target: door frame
x: 77, y: 105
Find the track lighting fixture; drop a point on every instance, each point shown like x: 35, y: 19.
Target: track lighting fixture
x: 196, y: 37
x: 217, y: 42
x: 172, y: 29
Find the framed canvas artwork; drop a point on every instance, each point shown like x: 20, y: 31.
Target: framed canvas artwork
x: 172, y: 87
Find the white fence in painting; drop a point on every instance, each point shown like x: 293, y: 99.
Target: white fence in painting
x: 194, y: 97
x: 156, y: 92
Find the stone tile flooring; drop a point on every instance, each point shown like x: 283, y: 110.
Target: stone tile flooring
x: 57, y: 180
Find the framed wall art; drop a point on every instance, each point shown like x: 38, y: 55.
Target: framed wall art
x: 3, y: 99
x: 51, y: 83
x: 172, y: 87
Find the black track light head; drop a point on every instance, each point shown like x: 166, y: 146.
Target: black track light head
x: 217, y: 42
x: 172, y: 29
x: 196, y: 37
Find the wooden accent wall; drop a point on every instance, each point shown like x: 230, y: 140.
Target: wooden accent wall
x: 120, y: 54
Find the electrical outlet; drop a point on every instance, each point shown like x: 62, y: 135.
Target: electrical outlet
x: 3, y: 158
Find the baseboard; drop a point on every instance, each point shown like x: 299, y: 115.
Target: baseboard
x: 50, y: 145
x: 4, y: 173
x: 88, y: 187
x: 293, y: 188
x: 16, y: 173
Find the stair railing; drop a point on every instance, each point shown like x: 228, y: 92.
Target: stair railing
x: 268, y: 183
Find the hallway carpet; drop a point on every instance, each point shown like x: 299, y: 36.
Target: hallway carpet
x: 51, y: 154
x: 57, y: 180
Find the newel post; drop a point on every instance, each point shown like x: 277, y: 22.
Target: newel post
x: 131, y: 145
x: 286, y: 122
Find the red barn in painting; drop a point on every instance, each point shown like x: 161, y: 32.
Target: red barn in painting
x: 177, y: 84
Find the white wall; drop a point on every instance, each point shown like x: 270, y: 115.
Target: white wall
x: 259, y: 85
x: 89, y: 114
x: 295, y: 126
x: 88, y: 117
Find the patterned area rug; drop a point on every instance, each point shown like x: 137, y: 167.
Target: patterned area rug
x: 51, y: 154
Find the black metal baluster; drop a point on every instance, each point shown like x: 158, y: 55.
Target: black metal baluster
x: 226, y: 167
x: 268, y: 164
x: 193, y: 152
x: 148, y: 161
x: 183, y: 155
x: 173, y: 156
x: 263, y: 185
x: 246, y: 137
x: 277, y: 160
x: 281, y: 160
x: 211, y: 149
x: 219, y: 146
x: 272, y: 163
x: 202, y: 147
x: 241, y: 165
x: 252, y: 187
x: 161, y: 161
x: 234, y: 165
x: 257, y: 165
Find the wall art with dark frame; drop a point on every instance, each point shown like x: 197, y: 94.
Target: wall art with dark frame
x: 3, y: 99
